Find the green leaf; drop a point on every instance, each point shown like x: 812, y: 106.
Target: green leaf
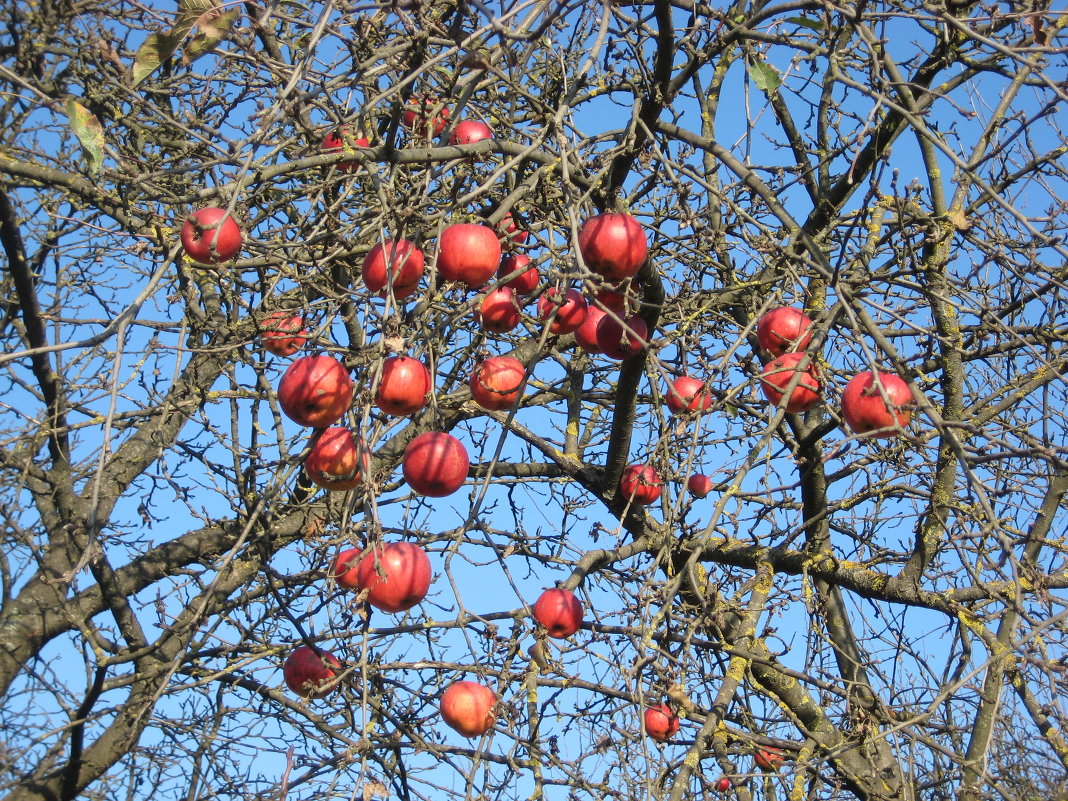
x: 805, y: 22
x: 156, y: 49
x: 89, y: 132
x: 765, y: 76
x: 212, y: 28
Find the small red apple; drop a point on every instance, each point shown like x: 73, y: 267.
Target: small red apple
x: 509, y: 233
x: 425, y: 116
x: 524, y: 282
x: 661, y: 723
x: 613, y: 245
x: 315, y: 391
x: 498, y: 311
x: 777, y: 375
x: 283, y: 333
x: 403, y: 386
x: 210, y: 235
x: 865, y: 409
x: 496, y: 381
x: 469, y: 253
x: 335, y: 460
x: 687, y: 394
x: 397, y: 260
x: 342, y: 140
x: 435, y: 464
x: 622, y: 339
x: 306, y: 671
x: 769, y: 758
x: 346, y: 568
x: 699, y: 485
x: 611, y: 299
x: 723, y: 784
x: 586, y: 334
x: 468, y: 132
x: 566, y: 312
x: 396, y: 575
x: 641, y: 484
x: 784, y: 330
x: 559, y: 611
x: 468, y: 707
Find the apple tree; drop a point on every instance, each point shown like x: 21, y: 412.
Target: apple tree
x: 712, y: 356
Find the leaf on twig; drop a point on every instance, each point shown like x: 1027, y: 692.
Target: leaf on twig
x: 89, y: 131
x: 211, y: 23
x: 765, y: 76
x: 374, y: 789
x: 212, y: 28
x: 805, y: 22
x: 156, y: 49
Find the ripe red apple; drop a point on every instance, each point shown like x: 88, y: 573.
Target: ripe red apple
x: 342, y: 140
x: 335, y: 460
x: 315, y: 391
x: 425, y: 116
x: 688, y: 394
x: 778, y: 373
x: 468, y: 707
x: 283, y: 333
x: 509, y: 233
x: 611, y: 299
x: 559, y: 611
x: 570, y: 311
x: 641, y: 483
x: 498, y: 311
x: 396, y: 575
x: 784, y: 330
x: 586, y: 334
x: 305, y: 671
x: 403, y: 386
x: 495, y: 383
x: 468, y: 253
x: 468, y: 132
x: 621, y: 339
x: 435, y: 464
x: 397, y: 260
x: 661, y: 723
x: 346, y: 568
x: 613, y: 245
x: 723, y: 784
x: 865, y: 410
x: 699, y: 485
x: 769, y: 758
x: 210, y: 236
x: 524, y: 282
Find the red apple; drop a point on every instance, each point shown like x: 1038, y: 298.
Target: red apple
x: 524, y: 282
x: 397, y: 260
x: 769, y: 758
x: 723, y: 784
x: 559, y: 611
x: 687, y: 394
x: 784, y: 330
x: 468, y: 707
x: 641, y: 483
x: 403, y: 386
x: 315, y: 391
x: 306, y: 671
x: 342, y: 140
x: 866, y: 411
x: 346, y: 568
x: 468, y: 132
x: 283, y: 333
x: 613, y: 245
x: 468, y: 253
x: 425, y: 116
x: 435, y: 464
x: 396, y: 575
x: 498, y: 311
x: 335, y: 460
x: 496, y: 382
x: 661, y: 723
x: 621, y: 339
x: 509, y: 233
x: 210, y: 236
x: 699, y: 485
x: 569, y: 312
x: 778, y: 373
x: 611, y: 299
x: 586, y: 334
